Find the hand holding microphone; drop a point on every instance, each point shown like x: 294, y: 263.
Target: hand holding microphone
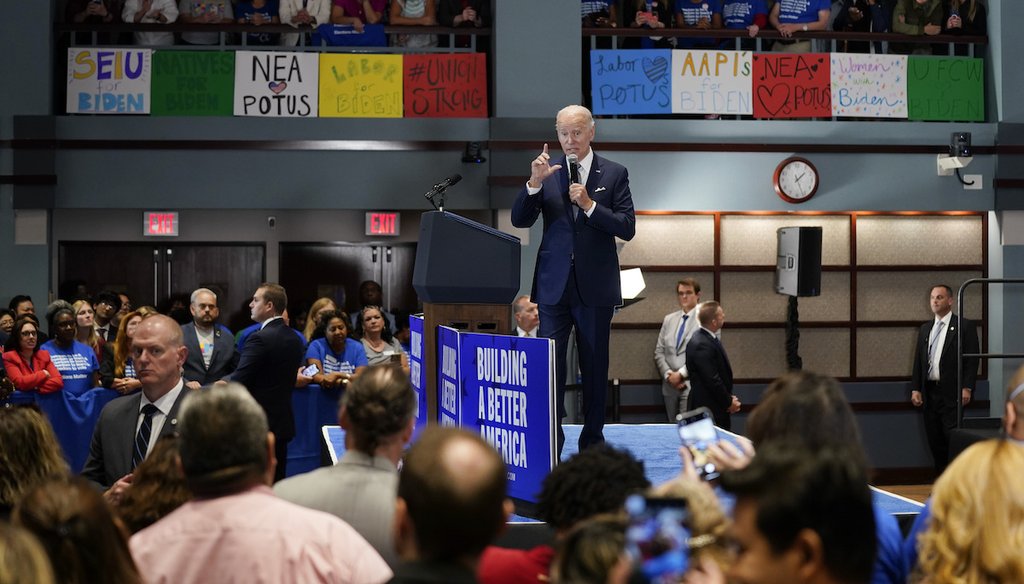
x: 577, y: 192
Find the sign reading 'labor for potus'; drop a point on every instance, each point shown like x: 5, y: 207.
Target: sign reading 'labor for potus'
x: 631, y: 81
x: 446, y: 86
x: 109, y: 81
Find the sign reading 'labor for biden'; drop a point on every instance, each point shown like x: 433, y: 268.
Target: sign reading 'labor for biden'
x: 507, y: 396
x: 417, y: 372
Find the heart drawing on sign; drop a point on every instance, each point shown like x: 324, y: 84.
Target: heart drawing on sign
x: 773, y: 99
x: 655, y: 69
x: 277, y: 86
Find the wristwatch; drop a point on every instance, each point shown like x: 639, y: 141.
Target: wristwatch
x: 805, y: 28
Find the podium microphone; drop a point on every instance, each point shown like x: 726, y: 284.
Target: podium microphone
x: 440, y: 188
x: 574, y: 169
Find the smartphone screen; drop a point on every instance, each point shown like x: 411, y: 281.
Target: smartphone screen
x: 310, y: 370
x: 697, y: 432
x: 656, y: 539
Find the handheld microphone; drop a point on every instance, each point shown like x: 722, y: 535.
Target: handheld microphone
x: 574, y: 169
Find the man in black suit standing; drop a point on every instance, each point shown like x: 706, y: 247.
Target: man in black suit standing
x: 709, y: 368
x: 933, y: 381
x: 129, y: 426
x: 268, y: 366
x: 211, y: 347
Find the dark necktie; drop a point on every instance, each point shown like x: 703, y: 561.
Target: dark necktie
x: 679, y: 335
x: 142, y: 438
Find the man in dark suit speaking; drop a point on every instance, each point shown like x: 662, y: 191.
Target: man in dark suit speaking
x: 268, y: 366
x: 933, y: 381
x: 709, y: 367
x: 586, y: 203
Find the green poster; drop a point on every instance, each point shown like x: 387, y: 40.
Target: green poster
x: 949, y: 89
x: 193, y: 83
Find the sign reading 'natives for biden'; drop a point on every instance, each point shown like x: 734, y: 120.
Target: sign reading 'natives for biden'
x: 276, y: 84
x: 109, y: 81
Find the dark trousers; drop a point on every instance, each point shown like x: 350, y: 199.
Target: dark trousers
x: 593, y: 328
x: 939, y: 420
x: 281, y: 452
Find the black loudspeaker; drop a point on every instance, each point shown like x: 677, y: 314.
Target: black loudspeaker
x: 798, y: 270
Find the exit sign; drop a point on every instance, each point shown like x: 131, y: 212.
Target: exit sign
x: 383, y: 223
x: 160, y: 224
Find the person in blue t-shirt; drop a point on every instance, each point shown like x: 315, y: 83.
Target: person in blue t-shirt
x: 76, y: 361
x: 258, y: 12
x: 751, y: 15
x: 338, y: 358
x: 700, y: 15
x: 795, y: 16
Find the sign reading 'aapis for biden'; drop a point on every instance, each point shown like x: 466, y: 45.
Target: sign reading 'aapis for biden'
x: 109, y: 81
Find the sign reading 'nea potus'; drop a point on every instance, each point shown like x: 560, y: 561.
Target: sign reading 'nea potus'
x: 274, y: 84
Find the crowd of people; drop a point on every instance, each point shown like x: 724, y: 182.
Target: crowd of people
x: 301, y: 14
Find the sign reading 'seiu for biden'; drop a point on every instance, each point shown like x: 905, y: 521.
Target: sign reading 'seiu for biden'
x: 109, y: 81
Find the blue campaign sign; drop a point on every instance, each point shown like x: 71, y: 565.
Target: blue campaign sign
x: 631, y: 81
x: 508, y: 397
x: 448, y: 389
x: 417, y: 372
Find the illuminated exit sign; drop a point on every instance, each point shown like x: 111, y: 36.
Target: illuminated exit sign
x: 381, y: 223
x: 160, y: 224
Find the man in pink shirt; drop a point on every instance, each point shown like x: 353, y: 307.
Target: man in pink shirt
x: 236, y: 530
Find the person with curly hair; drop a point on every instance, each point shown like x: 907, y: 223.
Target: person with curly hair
x: 595, y: 481
x: 378, y: 412
x: 976, y: 526
x: 338, y: 358
x: 37, y: 458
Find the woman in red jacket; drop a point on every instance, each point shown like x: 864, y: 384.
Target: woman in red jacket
x: 27, y: 366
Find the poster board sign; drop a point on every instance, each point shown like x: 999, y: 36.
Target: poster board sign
x: 109, y: 81
x: 712, y: 82
x: 946, y: 88
x: 507, y: 396
x: 449, y: 411
x: 869, y: 86
x: 417, y: 372
x: 631, y: 81
x: 276, y: 84
x: 354, y: 85
x: 445, y: 85
x: 193, y: 83
x: 792, y: 85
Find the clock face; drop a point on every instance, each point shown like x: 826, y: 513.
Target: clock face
x: 796, y: 180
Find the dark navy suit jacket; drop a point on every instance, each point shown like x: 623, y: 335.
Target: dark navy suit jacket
x: 590, y: 240
x: 267, y: 368
x: 710, y: 376
x: 223, y: 361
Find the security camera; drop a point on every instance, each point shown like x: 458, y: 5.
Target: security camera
x: 947, y: 164
x: 960, y: 145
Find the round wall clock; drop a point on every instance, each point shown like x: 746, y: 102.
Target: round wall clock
x: 795, y: 179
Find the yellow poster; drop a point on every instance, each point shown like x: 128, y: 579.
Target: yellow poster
x: 360, y: 86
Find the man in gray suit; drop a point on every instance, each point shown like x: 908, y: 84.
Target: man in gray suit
x: 129, y: 426
x: 670, y: 352
x: 211, y: 347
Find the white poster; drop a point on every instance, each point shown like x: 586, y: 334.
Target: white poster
x: 712, y: 82
x: 869, y: 86
x: 109, y: 81
x: 276, y: 84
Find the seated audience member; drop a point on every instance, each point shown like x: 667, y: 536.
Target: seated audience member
x: 36, y: 459
x: 795, y: 17
x: 358, y: 12
x: 150, y: 12
x: 22, y: 557
x: 800, y: 517
x: 451, y: 505
x: 85, y: 541
x: 964, y: 17
x: 378, y: 414
x: 751, y: 15
x: 258, y: 13
x: 338, y: 359
x: 593, y: 482
x: 86, y: 327
x: 371, y: 294
x: 381, y: 348
x: 524, y: 312
x: 204, y: 12
x: 916, y: 18
x: 235, y: 529
x: 700, y: 15
x: 413, y: 13
x: 28, y: 366
x: 117, y: 371
x: 75, y: 361
x: 321, y: 307
x: 107, y: 306
x: 810, y: 411
x: 653, y: 15
x: 976, y: 526
x: 303, y: 13
x: 594, y: 552
x: 158, y: 487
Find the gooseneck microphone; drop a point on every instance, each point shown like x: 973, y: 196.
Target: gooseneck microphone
x: 574, y: 169
x: 439, y: 189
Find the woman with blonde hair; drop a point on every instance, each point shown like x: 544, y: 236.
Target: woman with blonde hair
x: 321, y: 306
x: 976, y: 530
x: 116, y: 369
x: 22, y: 557
x: 36, y: 459
x: 86, y: 331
